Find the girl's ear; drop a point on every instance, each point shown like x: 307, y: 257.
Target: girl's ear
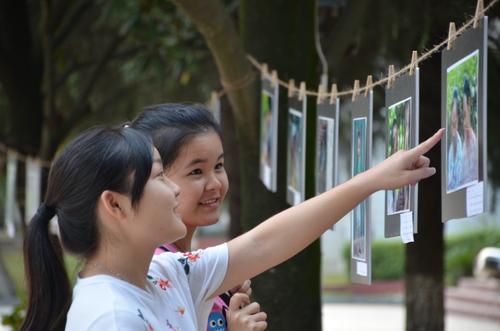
x: 114, y: 204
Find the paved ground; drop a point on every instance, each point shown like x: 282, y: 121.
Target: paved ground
x: 389, y: 317
x: 377, y: 317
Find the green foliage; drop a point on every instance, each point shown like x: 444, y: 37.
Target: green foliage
x: 169, y: 43
x: 462, y: 249
x: 388, y: 256
x: 387, y: 259
x: 15, y: 319
x: 14, y: 264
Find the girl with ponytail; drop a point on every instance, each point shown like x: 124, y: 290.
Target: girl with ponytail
x: 114, y: 207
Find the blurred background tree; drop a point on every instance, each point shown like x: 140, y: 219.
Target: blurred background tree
x: 66, y: 65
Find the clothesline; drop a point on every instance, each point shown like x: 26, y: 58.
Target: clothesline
x: 416, y: 59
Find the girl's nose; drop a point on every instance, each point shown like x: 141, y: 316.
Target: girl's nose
x: 213, y: 183
x: 176, y: 188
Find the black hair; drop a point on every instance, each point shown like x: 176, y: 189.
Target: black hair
x: 100, y: 159
x: 466, y: 90
x: 172, y: 125
x: 454, y: 99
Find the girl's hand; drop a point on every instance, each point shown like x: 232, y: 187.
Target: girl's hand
x: 243, y: 288
x: 403, y: 167
x: 243, y: 315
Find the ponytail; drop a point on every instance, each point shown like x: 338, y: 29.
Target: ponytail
x: 48, y: 288
x: 100, y: 159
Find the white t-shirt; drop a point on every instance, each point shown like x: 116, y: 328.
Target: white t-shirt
x: 176, y: 297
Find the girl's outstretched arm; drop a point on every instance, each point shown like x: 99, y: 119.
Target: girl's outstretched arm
x: 287, y: 233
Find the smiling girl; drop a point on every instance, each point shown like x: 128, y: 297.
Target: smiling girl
x: 114, y: 207
x: 189, y: 141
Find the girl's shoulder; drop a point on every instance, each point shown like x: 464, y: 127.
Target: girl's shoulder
x: 106, y: 301
x: 186, y: 262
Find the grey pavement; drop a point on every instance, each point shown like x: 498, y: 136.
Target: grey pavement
x: 376, y: 317
x: 390, y: 317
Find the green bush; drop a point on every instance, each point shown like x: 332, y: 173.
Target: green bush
x: 16, y: 270
x: 460, y: 250
x: 387, y: 259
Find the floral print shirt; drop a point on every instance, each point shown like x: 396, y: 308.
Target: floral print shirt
x: 178, y: 286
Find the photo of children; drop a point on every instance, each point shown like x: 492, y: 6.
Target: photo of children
x: 398, y: 133
x: 266, y: 129
x: 324, y: 155
x: 461, y: 123
x: 294, y: 157
x: 358, y: 224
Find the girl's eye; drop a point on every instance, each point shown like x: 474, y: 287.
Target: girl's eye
x: 161, y: 174
x: 195, y: 172
x: 219, y: 166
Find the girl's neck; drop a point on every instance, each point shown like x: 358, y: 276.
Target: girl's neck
x: 128, y: 266
x: 184, y: 244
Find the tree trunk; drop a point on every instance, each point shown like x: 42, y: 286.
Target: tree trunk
x: 20, y: 76
x: 231, y: 157
x: 281, y: 290
x: 424, y: 270
x: 288, y: 47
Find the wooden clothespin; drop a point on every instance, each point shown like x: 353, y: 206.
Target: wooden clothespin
x: 479, y: 13
x: 333, y: 94
x: 320, y: 94
x: 355, y: 90
x: 390, y: 77
x: 414, y: 63
x: 264, y: 71
x: 368, y: 87
x: 274, y: 78
x: 451, y: 36
x: 291, y: 87
x: 302, y: 91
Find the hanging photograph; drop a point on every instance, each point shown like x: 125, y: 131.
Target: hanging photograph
x: 215, y: 107
x: 269, y: 134
x: 326, y: 146
x: 296, y: 151
x: 358, y: 229
x: 402, y: 102
x: 295, y: 158
x: 361, y: 149
x: 324, y: 154
x: 461, y: 124
x: 11, y: 206
x: 33, y: 188
x: 398, y: 117
x: 464, y: 117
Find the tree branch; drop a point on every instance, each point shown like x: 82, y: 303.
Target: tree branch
x: 221, y: 37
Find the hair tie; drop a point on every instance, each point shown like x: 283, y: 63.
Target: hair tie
x: 46, y: 212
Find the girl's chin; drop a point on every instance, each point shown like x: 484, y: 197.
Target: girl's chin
x: 201, y: 220
x: 209, y: 221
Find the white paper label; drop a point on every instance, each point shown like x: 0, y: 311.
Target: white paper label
x: 406, y: 227
x: 474, y: 197
x: 362, y: 268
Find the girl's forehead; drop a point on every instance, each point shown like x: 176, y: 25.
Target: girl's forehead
x: 203, y: 147
x: 204, y: 140
x: 156, y: 154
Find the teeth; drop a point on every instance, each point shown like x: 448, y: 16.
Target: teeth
x: 209, y: 202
